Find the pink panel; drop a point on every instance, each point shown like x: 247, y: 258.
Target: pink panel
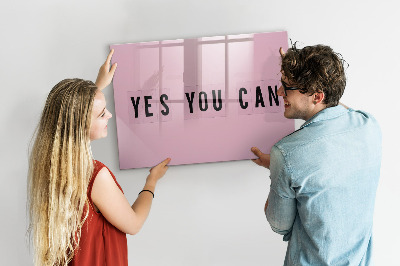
x: 198, y: 100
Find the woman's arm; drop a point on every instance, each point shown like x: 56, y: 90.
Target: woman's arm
x: 114, y: 206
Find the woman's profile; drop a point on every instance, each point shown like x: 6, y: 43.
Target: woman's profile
x: 78, y: 212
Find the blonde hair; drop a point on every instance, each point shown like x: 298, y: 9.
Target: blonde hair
x: 60, y: 167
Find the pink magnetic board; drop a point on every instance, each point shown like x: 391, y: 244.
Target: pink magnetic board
x: 198, y: 100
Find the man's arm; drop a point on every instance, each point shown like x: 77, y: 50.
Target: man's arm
x: 280, y: 208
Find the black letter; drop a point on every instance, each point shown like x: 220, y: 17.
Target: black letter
x: 205, y: 100
x: 166, y: 112
x: 147, y: 105
x: 135, y: 105
x: 259, y: 98
x: 241, y: 91
x: 190, y: 100
x: 271, y: 93
x: 215, y: 101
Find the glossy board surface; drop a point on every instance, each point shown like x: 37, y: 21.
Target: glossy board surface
x: 198, y: 100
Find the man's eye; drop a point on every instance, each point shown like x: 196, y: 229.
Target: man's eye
x: 103, y: 114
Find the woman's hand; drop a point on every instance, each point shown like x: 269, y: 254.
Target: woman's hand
x: 263, y: 159
x: 106, y: 74
x: 158, y: 171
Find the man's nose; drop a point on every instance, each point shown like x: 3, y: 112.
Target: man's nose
x: 281, y: 92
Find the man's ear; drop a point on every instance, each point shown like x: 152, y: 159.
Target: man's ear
x: 318, y: 97
x: 281, y: 52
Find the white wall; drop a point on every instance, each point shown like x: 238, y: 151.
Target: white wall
x: 206, y: 214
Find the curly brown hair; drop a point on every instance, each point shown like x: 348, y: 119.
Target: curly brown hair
x: 316, y: 69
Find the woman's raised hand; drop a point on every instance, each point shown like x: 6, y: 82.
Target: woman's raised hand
x: 106, y: 74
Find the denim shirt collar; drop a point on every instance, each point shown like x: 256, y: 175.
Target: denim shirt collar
x: 326, y: 114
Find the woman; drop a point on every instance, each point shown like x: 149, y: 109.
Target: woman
x: 78, y: 212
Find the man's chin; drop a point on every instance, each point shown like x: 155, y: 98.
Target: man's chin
x: 287, y: 115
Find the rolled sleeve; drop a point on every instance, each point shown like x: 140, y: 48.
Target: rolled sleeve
x: 281, y: 210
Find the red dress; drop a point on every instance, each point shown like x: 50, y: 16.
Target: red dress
x: 101, y: 243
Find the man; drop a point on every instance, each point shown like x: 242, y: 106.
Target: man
x: 324, y: 175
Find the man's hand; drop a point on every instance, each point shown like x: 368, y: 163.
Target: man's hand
x: 106, y: 74
x: 263, y: 159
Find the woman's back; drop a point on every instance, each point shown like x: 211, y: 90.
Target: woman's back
x: 101, y: 243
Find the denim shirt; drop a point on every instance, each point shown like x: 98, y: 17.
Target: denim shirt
x: 324, y: 178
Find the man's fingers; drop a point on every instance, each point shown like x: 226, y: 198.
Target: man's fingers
x: 281, y: 52
x: 257, y: 161
x: 256, y: 151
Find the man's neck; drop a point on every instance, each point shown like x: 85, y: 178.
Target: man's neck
x: 318, y: 108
